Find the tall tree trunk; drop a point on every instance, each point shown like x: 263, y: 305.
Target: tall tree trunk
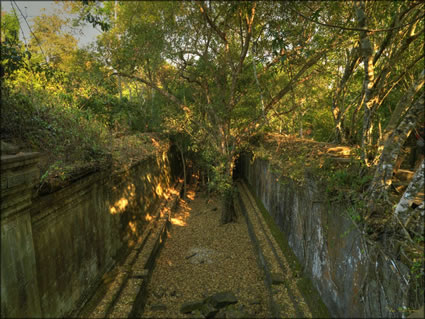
x: 366, y: 50
x: 226, y: 173
x: 338, y: 107
x: 184, y: 170
x: 401, y: 108
x: 384, y: 171
x: 416, y: 185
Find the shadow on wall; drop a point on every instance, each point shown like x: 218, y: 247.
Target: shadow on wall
x: 135, y: 196
x: 78, y: 232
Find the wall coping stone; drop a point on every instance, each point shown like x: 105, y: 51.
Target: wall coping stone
x: 18, y: 158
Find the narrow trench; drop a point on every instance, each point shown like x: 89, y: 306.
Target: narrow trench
x: 201, y: 257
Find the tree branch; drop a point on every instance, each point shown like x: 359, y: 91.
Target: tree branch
x: 221, y: 34
x: 355, y: 29
x: 313, y: 60
x: 163, y: 92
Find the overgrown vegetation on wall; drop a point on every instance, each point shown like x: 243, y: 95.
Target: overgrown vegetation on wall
x: 212, y: 76
x: 343, y: 180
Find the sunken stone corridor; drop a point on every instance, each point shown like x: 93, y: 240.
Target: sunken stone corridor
x: 212, y: 159
x: 133, y: 244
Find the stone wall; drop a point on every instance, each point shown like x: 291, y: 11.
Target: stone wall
x: 19, y: 290
x: 354, y: 278
x: 55, y: 250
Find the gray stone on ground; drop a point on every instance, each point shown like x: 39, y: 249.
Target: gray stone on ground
x: 158, y: 307
x: 190, y: 306
x: 222, y: 299
x: 200, y: 255
x: 277, y: 278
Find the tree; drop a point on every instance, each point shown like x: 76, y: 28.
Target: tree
x: 224, y: 71
x: 9, y: 27
x: 13, y: 55
x: 207, y: 73
x: 57, y: 44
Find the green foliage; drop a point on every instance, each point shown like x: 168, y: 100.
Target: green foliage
x: 50, y: 39
x: 320, y: 120
x: 348, y: 183
x: 50, y: 126
x: 9, y: 27
x: 13, y: 58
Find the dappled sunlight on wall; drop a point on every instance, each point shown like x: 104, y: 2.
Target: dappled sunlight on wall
x: 107, y: 215
x: 119, y: 206
x: 164, y: 212
x: 133, y: 226
x: 158, y: 190
x: 136, y: 197
x: 132, y: 189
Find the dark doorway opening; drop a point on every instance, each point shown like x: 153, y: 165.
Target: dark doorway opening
x: 237, y: 168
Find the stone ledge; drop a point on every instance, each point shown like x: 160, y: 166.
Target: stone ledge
x: 29, y: 177
x: 20, y: 159
x: 270, y: 257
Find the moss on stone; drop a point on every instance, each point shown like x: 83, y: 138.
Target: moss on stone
x: 312, y: 297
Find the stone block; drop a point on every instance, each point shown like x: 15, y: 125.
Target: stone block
x: 190, y: 306
x: 15, y: 180
x: 222, y: 299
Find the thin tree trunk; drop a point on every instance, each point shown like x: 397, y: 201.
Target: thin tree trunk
x: 366, y: 49
x: 416, y: 185
x: 353, y: 130
x: 384, y: 171
x: 184, y: 170
x: 401, y: 107
x: 338, y: 108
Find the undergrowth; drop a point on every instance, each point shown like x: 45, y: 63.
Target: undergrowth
x: 72, y: 141
x: 343, y: 180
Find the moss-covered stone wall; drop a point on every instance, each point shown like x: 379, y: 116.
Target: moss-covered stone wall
x: 354, y: 277
x: 57, y: 247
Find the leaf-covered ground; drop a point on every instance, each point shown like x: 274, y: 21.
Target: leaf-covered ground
x: 202, y: 257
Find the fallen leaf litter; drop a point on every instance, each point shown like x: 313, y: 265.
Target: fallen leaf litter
x: 202, y: 257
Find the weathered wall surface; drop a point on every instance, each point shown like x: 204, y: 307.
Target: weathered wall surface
x: 353, y: 277
x: 19, y: 289
x: 67, y: 240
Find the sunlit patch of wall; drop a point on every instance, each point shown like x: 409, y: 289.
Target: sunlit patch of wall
x: 119, y: 206
x: 138, y: 195
x: 79, y: 231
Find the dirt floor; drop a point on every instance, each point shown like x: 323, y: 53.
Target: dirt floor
x: 200, y: 257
